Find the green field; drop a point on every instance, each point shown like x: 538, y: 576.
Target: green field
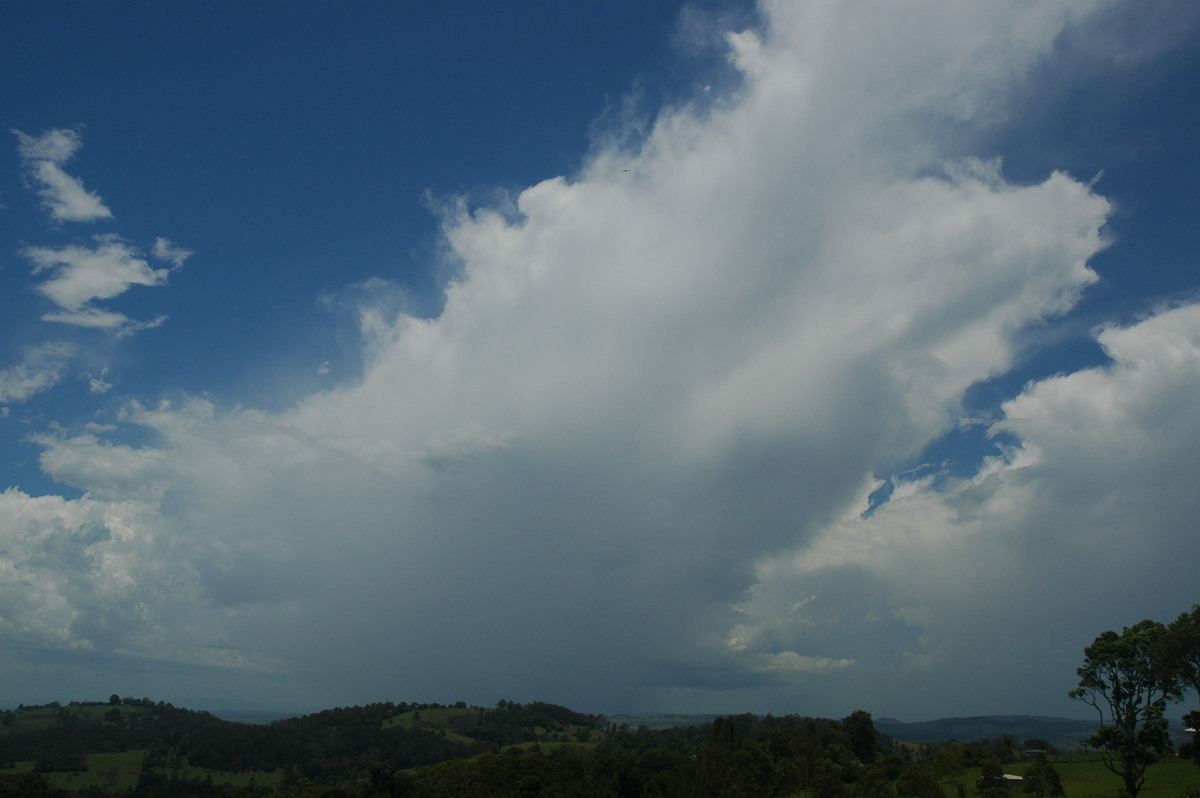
x: 110, y: 771
x: 1086, y: 777
x: 443, y: 719
x: 440, y: 719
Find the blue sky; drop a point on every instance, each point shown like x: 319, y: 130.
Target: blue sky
x: 633, y: 356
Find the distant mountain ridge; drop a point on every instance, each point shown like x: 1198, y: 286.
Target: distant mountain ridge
x: 1064, y: 733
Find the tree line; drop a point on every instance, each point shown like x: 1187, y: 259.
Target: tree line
x: 362, y: 751
x: 737, y: 755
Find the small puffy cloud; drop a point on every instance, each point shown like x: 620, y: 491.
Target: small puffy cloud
x: 79, y: 275
x: 63, y: 195
x: 41, y: 369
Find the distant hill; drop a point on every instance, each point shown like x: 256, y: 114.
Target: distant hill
x: 240, y: 710
x: 1064, y: 733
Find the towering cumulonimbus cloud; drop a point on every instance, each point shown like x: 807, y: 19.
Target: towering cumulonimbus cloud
x: 627, y: 463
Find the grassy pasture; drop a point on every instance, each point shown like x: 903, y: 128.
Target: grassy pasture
x: 234, y: 778
x: 433, y: 719
x: 1086, y: 777
x: 115, y: 771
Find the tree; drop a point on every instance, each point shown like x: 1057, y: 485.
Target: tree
x: 991, y: 783
x: 1042, y: 779
x: 1179, y: 649
x: 874, y: 783
x: 918, y: 782
x: 860, y: 730
x: 1005, y: 748
x: 1124, y: 679
x: 948, y: 759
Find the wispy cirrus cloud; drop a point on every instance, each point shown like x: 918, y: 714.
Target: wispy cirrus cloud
x: 63, y: 195
x: 41, y: 369
x: 166, y: 250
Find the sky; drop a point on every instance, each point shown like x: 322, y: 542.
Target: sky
x: 798, y: 357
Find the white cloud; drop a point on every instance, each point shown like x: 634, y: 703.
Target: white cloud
x: 40, y: 370
x: 790, y: 661
x: 81, y: 275
x: 1099, y: 494
x: 99, y: 384
x: 176, y: 255
x: 71, y: 570
x: 631, y: 450
x: 105, y: 470
x: 62, y: 194
x: 99, y: 319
